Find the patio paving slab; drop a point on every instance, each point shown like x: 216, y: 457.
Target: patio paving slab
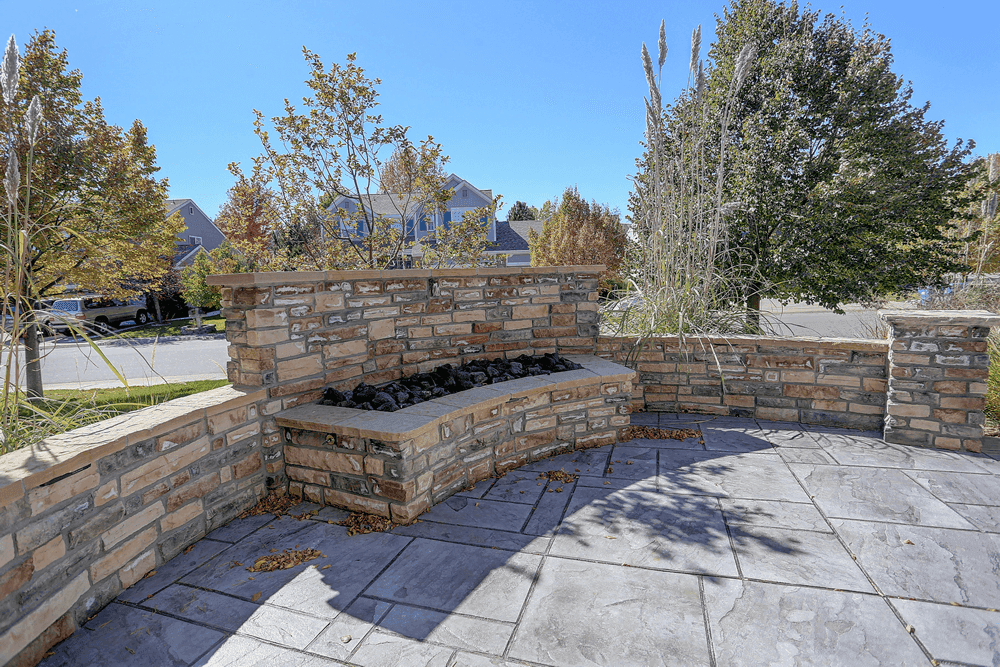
x: 719, y: 558
x: 874, y: 494
x: 765, y: 624
x: 465, y: 511
x: 797, y: 557
x: 344, y: 634
x: 451, y: 577
x: 466, y: 632
x: 954, y: 633
x: 938, y: 564
x: 960, y: 488
x: 122, y: 635
x: 774, y: 514
x: 647, y: 529
x: 595, y: 614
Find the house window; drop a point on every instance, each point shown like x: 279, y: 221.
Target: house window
x: 190, y: 210
x: 195, y: 240
x: 465, y: 192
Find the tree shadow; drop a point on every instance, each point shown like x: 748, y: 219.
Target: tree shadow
x: 644, y: 504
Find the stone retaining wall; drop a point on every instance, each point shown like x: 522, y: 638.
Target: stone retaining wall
x: 398, y: 464
x: 88, y: 513
x: 834, y: 382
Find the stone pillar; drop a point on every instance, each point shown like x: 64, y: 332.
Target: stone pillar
x: 938, y: 363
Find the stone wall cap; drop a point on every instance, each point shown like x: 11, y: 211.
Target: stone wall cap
x: 978, y: 318
x: 76, y: 449
x: 265, y: 279
x: 858, y: 344
x: 414, y: 420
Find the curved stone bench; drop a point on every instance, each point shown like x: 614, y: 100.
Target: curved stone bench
x: 398, y: 464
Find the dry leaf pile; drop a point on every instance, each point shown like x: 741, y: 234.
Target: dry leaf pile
x: 273, y: 503
x: 559, y: 476
x: 286, y: 559
x: 653, y: 433
x: 358, y: 523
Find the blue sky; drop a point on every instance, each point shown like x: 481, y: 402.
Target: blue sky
x: 526, y: 97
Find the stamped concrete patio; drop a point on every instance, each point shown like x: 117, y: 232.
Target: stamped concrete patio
x: 767, y: 543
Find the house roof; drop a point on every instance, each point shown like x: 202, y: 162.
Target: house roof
x: 514, y: 235
x: 384, y: 204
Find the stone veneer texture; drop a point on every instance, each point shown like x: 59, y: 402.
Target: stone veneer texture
x: 88, y: 513
x: 398, y: 464
x: 938, y: 365
x: 833, y: 382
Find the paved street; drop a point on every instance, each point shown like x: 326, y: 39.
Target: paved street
x: 69, y: 365
x: 755, y: 543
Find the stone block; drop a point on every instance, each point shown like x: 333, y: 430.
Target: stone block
x: 196, y: 489
x: 35, y: 623
x: 180, y: 517
x: 163, y: 466
x: 131, y: 525
x: 59, y: 490
x: 120, y: 556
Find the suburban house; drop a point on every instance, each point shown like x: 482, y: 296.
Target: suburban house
x: 512, y: 240
x: 420, y: 223
x: 201, y: 232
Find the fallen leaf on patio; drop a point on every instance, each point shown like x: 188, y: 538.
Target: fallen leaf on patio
x: 522, y: 491
x: 628, y: 463
x: 910, y: 629
x: 610, y: 537
x: 955, y: 604
x: 607, y: 482
x: 854, y: 557
x: 287, y: 559
x: 550, y: 490
x: 359, y: 523
x: 255, y: 597
x: 274, y: 551
x: 577, y: 469
x: 130, y: 650
x: 149, y: 574
x: 188, y: 550
x: 477, y: 504
x: 907, y: 542
x: 559, y: 490
x: 653, y: 433
x: 345, y: 638
x: 325, y: 567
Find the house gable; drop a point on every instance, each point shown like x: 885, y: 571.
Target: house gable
x: 198, y: 224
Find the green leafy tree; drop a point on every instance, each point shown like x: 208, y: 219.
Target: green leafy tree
x: 520, y: 211
x: 195, y: 288
x: 84, y: 204
x: 463, y: 242
x: 579, y: 233
x: 843, y: 189
x: 339, y: 146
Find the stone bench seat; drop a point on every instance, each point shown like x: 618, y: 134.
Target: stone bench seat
x: 398, y: 464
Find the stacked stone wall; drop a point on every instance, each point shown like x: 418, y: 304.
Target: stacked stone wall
x: 834, y: 382
x: 88, y: 513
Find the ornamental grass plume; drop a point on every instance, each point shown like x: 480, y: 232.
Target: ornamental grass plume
x: 9, y: 71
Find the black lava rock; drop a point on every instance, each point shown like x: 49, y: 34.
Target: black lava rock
x: 444, y: 380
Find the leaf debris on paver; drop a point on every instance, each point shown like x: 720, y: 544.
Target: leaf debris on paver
x: 286, y: 559
x: 652, y: 433
x: 558, y: 476
x: 358, y: 523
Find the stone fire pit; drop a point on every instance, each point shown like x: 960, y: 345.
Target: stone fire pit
x: 398, y: 464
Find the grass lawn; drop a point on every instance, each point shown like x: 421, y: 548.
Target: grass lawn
x: 170, y: 328
x: 65, y: 409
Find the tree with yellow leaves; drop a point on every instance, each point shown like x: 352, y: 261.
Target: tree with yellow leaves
x: 579, y: 233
